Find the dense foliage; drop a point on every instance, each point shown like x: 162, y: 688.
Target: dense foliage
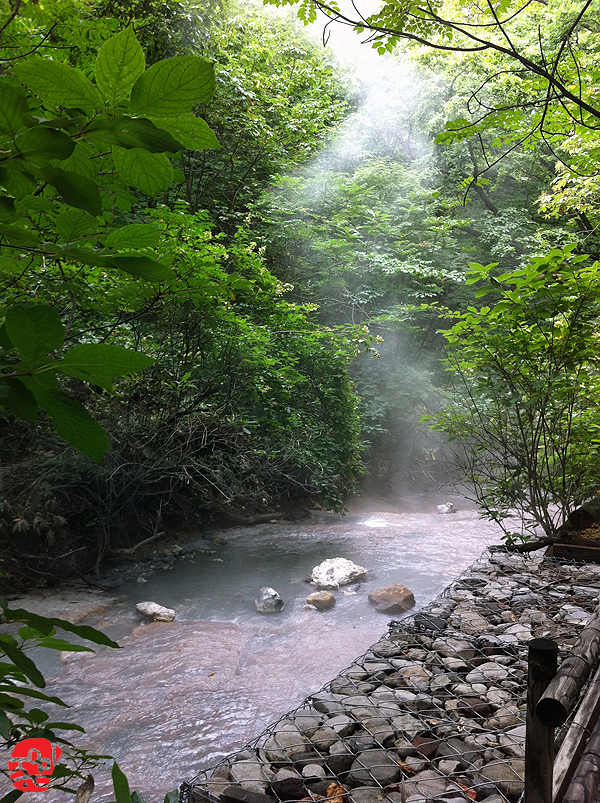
x: 108, y: 264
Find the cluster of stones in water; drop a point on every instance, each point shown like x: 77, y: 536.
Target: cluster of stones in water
x: 436, y: 711
x: 331, y: 574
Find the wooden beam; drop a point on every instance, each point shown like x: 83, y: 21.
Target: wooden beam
x: 539, y: 738
x: 574, y: 742
x: 586, y: 781
x: 560, y: 697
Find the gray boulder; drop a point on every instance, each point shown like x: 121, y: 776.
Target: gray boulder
x: 268, y: 601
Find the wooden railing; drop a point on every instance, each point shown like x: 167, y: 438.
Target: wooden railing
x: 573, y: 776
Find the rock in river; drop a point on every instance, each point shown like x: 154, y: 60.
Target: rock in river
x: 321, y: 600
x: 155, y: 611
x: 268, y: 601
x: 394, y: 598
x: 336, y: 572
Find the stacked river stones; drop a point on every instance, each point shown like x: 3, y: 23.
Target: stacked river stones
x: 434, y: 711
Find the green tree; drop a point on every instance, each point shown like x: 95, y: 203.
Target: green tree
x: 523, y: 416
x: 70, y: 151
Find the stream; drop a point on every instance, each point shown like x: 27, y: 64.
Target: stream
x: 181, y: 695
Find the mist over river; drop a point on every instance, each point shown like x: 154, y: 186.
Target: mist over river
x: 181, y: 695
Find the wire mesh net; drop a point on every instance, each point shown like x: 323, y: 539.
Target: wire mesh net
x: 434, y: 710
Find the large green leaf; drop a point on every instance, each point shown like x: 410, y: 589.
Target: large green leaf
x: 40, y: 144
x: 11, y: 797
x: 45, y: 624
x: 141, y: 267
x: 34, y: 693
x: 70, y: 419
x: 119, y: 63
x: 120, y: 785
x: 60, y: 644
x: 97, y: 363
x: 20, y: 401
x: 76, y: 190
x: 7, y: 209
x: 149, y: 172
x: 136, y: 235
x: 25, y: 238
x: 13, y: 105
x: 34, y: 330
x: 16, y: 178
x: 171, y: 87
x: 57, y: 84
x: 72, y: 224
x: 193, y: 132
x: 19, y: 659
x: 132, y: 132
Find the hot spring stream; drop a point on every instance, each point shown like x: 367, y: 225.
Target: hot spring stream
x: 180, y: 695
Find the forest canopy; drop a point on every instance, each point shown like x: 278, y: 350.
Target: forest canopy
x: 225, y: 259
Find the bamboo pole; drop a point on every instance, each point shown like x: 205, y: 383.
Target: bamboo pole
x: 586, y: 781
x: 574, y: 742
x: 539, y: 737
x: 558, y: 700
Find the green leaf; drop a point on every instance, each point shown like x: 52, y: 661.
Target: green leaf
x: 193, y: 132
x: 71, y: 420
x: 120, y: 62
x: 172, y: 86
x: 76, y: 190
x: 5, y: 341
x: 16, y: 178
x: 25, y: 664
x: 120, y: 785
x: 7, y: 209
x: 20, y: 402
x: 66, y: 726
x: 97, y: 363
x: 141, y: 267
x: 61, y: 644
x: 136, y: 235
x: 172, y: 796
x: 13, y: 105
x: 46, y: 624
x: 73, y: 224
x: 132, y: 132
x: 37, y: 695
x: 34, y: 330
x: 22, y: 237
x: 137, y: 798
x: 11, y: 797
x: 40, y: 144
x: 5, y: 725
x: 149, y: 172
x: 27, y: 632
x: 57, y: 84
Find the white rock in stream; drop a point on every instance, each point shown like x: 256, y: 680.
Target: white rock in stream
x: 336, y: 572
x: 155, y: 611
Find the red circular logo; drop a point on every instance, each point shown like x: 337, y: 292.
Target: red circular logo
x: 31, y: 764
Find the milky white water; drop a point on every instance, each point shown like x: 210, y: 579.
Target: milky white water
x: 178, y: 696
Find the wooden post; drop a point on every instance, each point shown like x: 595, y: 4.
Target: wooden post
x: 584, y: 784
x: 539, y: 738
x: 558, y: 700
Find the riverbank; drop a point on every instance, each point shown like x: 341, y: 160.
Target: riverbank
x: 433, y: 710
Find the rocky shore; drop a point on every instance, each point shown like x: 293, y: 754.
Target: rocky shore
x: 435, y: 710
